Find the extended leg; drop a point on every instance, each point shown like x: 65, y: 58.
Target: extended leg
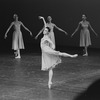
x: 86, y: 53
x: 67, y: 55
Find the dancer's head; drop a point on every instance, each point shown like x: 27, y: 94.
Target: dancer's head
x: 49, y: 18
x: 83, y: 17
x: 15, y: 16
x: 46, y: 31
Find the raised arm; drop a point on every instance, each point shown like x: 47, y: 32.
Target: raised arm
x: 60, y: 29
x: 43, y: 20
x: 26, y: 28
x: 40, y: 17
x: 76, y: 29
x: 92, y: 29
x: 8, y: 30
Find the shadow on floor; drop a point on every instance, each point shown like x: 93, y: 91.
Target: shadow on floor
x: 92, y: 92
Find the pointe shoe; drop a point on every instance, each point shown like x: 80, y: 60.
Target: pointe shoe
x: 49, y: 85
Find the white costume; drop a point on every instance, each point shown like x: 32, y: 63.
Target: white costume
x: 17, y: 41
x: 50, y: 57
x: 85, y: 39
x: 51, y: 33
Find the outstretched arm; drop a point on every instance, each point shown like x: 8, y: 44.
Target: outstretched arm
x: 39, y: 33
x: 60, y: 29
x: 92, y: 29
x: 26, y: 28
x: 76, y: 29
x: 8, y: 29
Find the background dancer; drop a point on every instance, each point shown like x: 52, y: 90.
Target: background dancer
x: 51, y: 26
x: 85, y: 39
x: 17, y: 41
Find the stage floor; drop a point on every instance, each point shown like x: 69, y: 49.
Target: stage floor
x: 22, y: 79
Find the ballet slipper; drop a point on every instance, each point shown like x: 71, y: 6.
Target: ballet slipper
x: 49, y: 85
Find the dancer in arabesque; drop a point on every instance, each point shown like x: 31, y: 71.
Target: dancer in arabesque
x: 85, y: 39
x: 17, y: 40
x: 51, y: 26
x: 50, y: 57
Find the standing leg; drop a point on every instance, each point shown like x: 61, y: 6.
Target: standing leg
x: 50, y: 78
x: 18, y: 54
x: 86, y: 53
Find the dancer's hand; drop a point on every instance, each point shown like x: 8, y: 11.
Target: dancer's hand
x: 36, y: 37
x: 31, y: 33
x: 40, y: 17
x: 5, y: 36
x: 71, y: 35
x: 66, y: 33
x: 96, y: 34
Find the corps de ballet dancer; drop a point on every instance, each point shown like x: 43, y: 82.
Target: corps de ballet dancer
x: 17, y: 40
x: 85, y: 39
x: 51, y: 26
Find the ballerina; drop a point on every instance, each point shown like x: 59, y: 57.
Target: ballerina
x: 17, y: 42
x: 85, y: 39
x: 50, y: 57
x: 51, y: 26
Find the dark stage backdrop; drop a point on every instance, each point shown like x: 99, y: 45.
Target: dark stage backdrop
x: 66, y: 14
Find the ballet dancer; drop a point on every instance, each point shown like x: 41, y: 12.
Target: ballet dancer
x: 17, y: 40
x: 51, y: 26
x: 85, y: 39
x: 50, y: 57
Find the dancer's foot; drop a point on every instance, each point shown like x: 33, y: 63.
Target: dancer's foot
x: 49, y: 85
x: 85, y: 54
x: 16, y: 54
x: 18, y: 57
x: 75, y: 55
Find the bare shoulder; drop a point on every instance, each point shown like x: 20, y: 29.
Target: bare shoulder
x: 20, y: 22
x: 53, y: 24
x: 12, y: 23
